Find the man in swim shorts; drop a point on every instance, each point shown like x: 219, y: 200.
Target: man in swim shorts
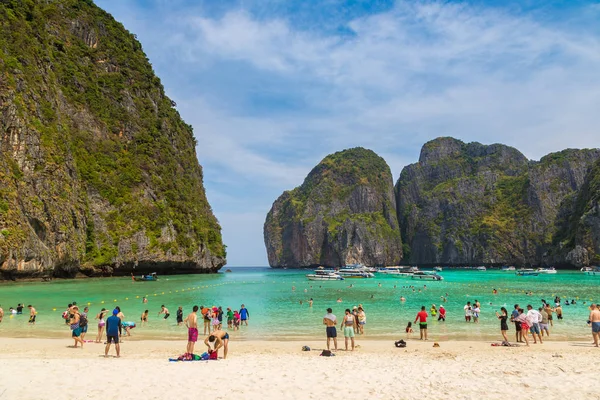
x: 348, y: 328
x: 191, y: 321
x: 595, y: 322
x: 220, y: 339
x: 422, y: 318
x: 331, y: 321
x: 164, y: 310
x: 32, y: 314
x: 534, y: 318
x: 112, y: 333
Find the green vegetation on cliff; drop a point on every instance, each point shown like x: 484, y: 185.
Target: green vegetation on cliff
x: 83, y: 101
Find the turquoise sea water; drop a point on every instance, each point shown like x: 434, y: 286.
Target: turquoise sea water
x: 276, y: 312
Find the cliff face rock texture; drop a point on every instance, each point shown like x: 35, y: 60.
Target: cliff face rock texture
x: 343, y: 213
x: 470, y: 203
x: 98, y: 173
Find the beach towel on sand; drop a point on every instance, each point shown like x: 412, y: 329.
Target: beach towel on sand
x: 187, y: 357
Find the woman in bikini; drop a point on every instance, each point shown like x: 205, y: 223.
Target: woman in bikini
x: 101, y: 324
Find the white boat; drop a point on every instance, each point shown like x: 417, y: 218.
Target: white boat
x: 322, y: 274
x: 355, y: 273
x: 527, y: 272
x: 586, y: 269
x: 593, y: 271
x: 481, y: 269
x: 508, y: 268
x: 550, y: 270
x: 361, y: 267
x: 438, y: 269
x: 398, y: 270
x: 426, y: 276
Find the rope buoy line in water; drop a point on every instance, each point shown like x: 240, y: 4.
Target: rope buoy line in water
x: 507, y: 290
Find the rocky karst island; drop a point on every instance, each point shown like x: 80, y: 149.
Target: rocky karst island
x: 461, y: 204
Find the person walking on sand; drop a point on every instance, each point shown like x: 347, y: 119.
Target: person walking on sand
x: 113, y: 324
x: 544, y: 322
x: 244, y: 314
x: 518, y: 331
x: 534, y: 318
x: 331, y: 321
x: 347, y: 327
x: 179, y: 315
x: 503, y: 325
x: 422, y: 318
x: 164, y: 310
x: 75, y: 328
x: 191, y: 321
x: 594, y: 321
x: 220, y: 339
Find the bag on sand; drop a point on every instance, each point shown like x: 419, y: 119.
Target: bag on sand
x: 400, y: 343
x: 327, y: 353
x: 212, y: 355
x: 305, y: 348
x: 204, y: 356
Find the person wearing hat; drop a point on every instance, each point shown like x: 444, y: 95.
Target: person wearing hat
x: 442, y: 313
x: 112, y: 333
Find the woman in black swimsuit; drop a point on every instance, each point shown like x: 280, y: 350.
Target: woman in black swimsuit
x: 503, y: 325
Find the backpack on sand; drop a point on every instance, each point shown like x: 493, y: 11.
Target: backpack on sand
x: 327, y: 353
x: 400, y: 343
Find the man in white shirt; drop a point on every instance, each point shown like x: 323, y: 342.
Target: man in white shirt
x: 534, y: 317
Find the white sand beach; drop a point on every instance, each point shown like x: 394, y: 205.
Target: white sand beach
x: 48, y: 369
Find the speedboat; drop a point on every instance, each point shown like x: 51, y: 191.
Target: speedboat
x: 527, y: 272
x: 550, y: 270
x: 361, y: 267
x: 481, y: 268
x: 438, y: 269
x: 147, y: 278
x: 595, y: 271
x: 426, y: 276
x: 398, y: 270
x: 508, y: 268
x: 322, y: 274
x: 586, y: 269
x: 355, y: 272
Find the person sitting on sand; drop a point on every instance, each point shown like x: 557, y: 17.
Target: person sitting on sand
x: 219, y: 339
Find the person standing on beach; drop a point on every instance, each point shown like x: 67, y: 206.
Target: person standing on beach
x: 101, y: 324
x: 347, y: 327
x: 220, y: 339
x: 331, y: 321
x: 362, y: 319
x: 594, y: 320
x: 113, y: 325
x: 544, y: 322
x: 83, y: 322
x: 180, y: 315
x: 521, y: 318
x: 244, y: 314
x: 191, y: 321
x: 503, y: 325
x: 422, y: 318
x: 164, y: 310
x: 518, y: 331
x: 32, y: 314
x: 206, y: 318
x: 533, y: 319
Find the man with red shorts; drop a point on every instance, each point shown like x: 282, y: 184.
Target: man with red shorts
x: 191, y: 321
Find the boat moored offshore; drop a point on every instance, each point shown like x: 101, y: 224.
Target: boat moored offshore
x: 426, y: 276
x: 550, y: 270
x: 595, y: 271
x: 527, y: 272
x: 322, y: 274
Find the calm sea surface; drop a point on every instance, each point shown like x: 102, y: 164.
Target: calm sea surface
x: 276, y: 312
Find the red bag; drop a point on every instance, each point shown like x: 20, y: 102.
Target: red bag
x: 212, y: 355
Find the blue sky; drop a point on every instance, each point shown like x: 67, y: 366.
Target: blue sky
x: 273, y: 86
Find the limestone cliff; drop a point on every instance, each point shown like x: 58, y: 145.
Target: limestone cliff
x: 343, y: 213
x: 470, y: 203
x: 98, y: 173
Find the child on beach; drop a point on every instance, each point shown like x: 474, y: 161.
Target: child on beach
x: 236, y: 320
x: 409, y: 330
